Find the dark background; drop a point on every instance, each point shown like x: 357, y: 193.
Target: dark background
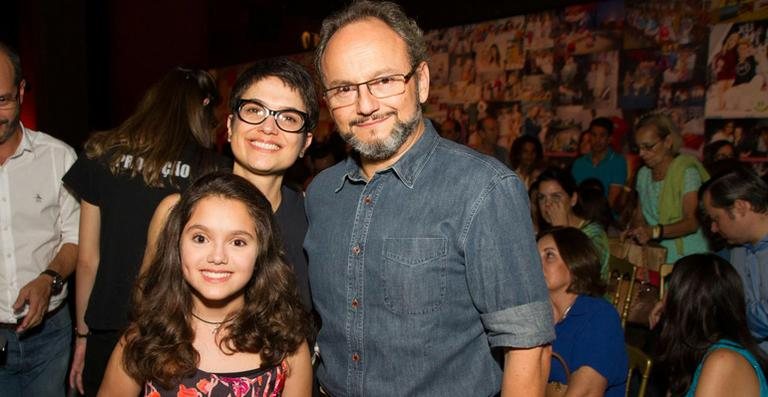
x: 89, y: 61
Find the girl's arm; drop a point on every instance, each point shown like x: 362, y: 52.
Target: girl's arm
x: 299, y: 381
x: 88, y: 256
x: 116, y: 381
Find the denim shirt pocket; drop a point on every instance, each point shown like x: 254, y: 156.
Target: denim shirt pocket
x: 415, y: 274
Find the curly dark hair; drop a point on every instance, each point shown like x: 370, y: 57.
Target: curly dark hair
x: 582, y: 258
x: 272, y: 322
x: 705, y: 303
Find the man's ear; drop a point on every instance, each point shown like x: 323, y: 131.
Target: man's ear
x: 423, y: 81
x: 741, y: 207
x: 22, y: 87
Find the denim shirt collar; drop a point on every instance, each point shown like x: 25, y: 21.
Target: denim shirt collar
x: 407, y: 168
x: 761, y: 245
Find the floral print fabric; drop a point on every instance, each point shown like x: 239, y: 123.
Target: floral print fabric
x: 262, y: 382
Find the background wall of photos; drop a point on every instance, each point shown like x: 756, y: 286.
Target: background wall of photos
x: 549, y: 74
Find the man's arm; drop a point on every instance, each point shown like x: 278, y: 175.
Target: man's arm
x: 37, y: 293
x: 526, y: 371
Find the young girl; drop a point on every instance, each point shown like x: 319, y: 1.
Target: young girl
x: 217, y: 312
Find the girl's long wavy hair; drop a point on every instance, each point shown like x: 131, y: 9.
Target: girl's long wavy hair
x: 272, y: 323
x: 705, y: 303
x: 175, y: 111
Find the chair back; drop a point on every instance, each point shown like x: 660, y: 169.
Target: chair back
x: 638, y: 361
x: 621, y: 285
x: 664, y: 271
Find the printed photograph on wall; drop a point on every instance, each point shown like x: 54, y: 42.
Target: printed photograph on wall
x: 738, y: 70
x: 640, y: 77
x: 747, y: 138
x: 594, y: 27
x: 661, y: 22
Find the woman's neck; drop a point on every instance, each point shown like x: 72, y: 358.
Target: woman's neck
x: 268, y: 185
x: 575, y: 221
x: 660, y: 170
x: 562, y: 301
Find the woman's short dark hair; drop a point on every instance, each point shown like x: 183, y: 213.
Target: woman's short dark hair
x: 582, y: 258
x: 740, y: 183
x: 272, y: 322
x: 290, y: 73
x: 705, y: 303
x: 516, y: 152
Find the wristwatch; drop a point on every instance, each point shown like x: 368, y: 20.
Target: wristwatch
x: 58, y: 282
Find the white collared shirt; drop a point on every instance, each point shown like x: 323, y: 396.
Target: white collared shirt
x: 37, y: 215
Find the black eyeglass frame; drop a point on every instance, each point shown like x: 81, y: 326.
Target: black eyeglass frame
x: 274, y: 113
x: 406, y: 77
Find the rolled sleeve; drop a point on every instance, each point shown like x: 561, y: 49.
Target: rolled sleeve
x: 522, y: 326
x: 504, y: 269
x: 69, y: 217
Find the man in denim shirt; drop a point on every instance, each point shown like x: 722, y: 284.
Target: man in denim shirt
x: 422, y: 259
x: 737, y: 204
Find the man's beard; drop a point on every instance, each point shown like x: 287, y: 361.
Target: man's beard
x: 384, y: 148
x: 8, y: 127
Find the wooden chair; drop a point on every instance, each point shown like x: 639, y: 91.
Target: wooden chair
x: 622, y: 280
x: 664, y: 271
x: 638, y: 361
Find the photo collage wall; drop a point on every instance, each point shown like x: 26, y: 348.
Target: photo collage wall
x: 549, y: 74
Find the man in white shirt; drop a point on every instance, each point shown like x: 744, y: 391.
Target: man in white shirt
x: 38, y: 247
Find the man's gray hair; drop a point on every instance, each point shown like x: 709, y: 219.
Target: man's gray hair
x: 389, y: 13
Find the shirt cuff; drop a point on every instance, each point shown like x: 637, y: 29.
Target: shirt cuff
x: 523, y: 326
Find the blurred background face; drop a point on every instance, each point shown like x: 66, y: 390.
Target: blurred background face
x: 725, y: 152
x: 490, y: 130
x: 551, y: 194
x: 600, y: 139
x: 651, y: 147
x: 528, y: 155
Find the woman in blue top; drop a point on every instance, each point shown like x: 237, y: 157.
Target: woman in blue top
x: 705, y: 344
x: 588, y: 330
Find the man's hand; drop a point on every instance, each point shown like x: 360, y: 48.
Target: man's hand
x: 36, y: 296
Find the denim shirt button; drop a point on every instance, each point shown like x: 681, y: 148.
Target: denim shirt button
x: 367, y: 200
x: 355, y: 303
x: 355, y: 357
x: 356, y: 250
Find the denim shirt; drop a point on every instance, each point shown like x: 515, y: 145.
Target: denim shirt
x: 751, y: 262
x: 420, y: 271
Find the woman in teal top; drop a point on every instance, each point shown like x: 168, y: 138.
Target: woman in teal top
x: 667, y: 186
x: 558, y: 202
x: 705, y: 343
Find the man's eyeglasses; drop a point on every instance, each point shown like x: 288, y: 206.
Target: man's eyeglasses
x: 380, y: 87
x: 8, y: 101
x: 253, y: 112
x: 647, y: 147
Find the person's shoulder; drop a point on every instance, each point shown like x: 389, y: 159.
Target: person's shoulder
x: 599, y: 308
x: 329, y: 178
x: 727, y: 366
x: 450, y: 154
x: 43, y: 140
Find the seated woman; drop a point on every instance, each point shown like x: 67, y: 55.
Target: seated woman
x: 218, y: 311
x: 705, y: 343
x: 558, y: 203
x: 588, y: 330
